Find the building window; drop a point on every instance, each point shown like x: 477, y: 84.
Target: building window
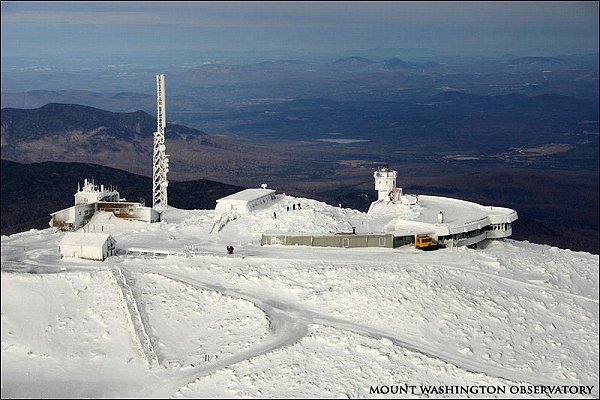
x: 345, y: 242
x: 382, y: 241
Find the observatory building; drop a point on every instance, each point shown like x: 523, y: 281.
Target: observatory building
x: 448, y: 221
x: 396, y: 219
x: 92, y: 198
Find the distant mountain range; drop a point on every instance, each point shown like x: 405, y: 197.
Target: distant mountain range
x: 210, y: 78
x: 76, y: 133
x: 53, y: 118
x: 469, y: 120
x: 31, y: 192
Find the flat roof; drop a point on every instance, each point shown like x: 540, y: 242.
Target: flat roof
x: 459, y: 215
x: 247, y: 195
x: 84, y: 239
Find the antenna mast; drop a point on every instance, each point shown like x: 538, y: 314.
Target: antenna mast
x: 160, y: 160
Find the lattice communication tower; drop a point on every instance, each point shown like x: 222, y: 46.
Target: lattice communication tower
x: 160, y: 160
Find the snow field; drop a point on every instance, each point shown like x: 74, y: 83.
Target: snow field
x: 331, y: 363
x: 540, y: 334
x: 71, y: 326
x: 21, y: 251
x: 194, y: 326
x: 44, y: 326
x: 313, y: 217
x: 573, y: 272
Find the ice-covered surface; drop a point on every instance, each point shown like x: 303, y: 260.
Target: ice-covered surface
x: 406, y: 217
x: 329, y: 362
x: 293, y: 321
x: 84, y: 239
x: 248, y: 195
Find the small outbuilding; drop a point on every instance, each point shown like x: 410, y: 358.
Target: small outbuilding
x: 91, y: 246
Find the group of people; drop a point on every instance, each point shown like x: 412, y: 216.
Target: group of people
x: 288, y: 208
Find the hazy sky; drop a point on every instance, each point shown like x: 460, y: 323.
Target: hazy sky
x: 34, y: 28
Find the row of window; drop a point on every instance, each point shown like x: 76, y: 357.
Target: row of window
x: 260, y: 201
x: 118, y: 210
x: 501, y: 227
x: 476, y: 232
x: 87, y: 212
x: 346, y: 242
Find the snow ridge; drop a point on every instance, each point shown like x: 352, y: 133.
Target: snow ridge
x: 137, y: 327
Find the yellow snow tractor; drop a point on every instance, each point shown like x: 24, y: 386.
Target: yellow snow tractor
x: 425, y: 242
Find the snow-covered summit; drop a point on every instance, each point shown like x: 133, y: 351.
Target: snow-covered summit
x: 290, y: 321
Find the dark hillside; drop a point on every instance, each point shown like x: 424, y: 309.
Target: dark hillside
x: 30, y: 192
x: 53, y: 118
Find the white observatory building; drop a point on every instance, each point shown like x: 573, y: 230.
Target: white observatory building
x: 449, y: 221
x: 91, y: 199
x: 385, y: 184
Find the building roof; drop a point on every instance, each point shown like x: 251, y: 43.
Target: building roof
x: 247, y: 195
x: 85, y: 239
x: 459, y: 215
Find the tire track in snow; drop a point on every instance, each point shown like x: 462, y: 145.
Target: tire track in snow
x: 285, y: 330
x: 285, y: 315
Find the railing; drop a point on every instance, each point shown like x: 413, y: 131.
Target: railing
x: 223, y: 220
